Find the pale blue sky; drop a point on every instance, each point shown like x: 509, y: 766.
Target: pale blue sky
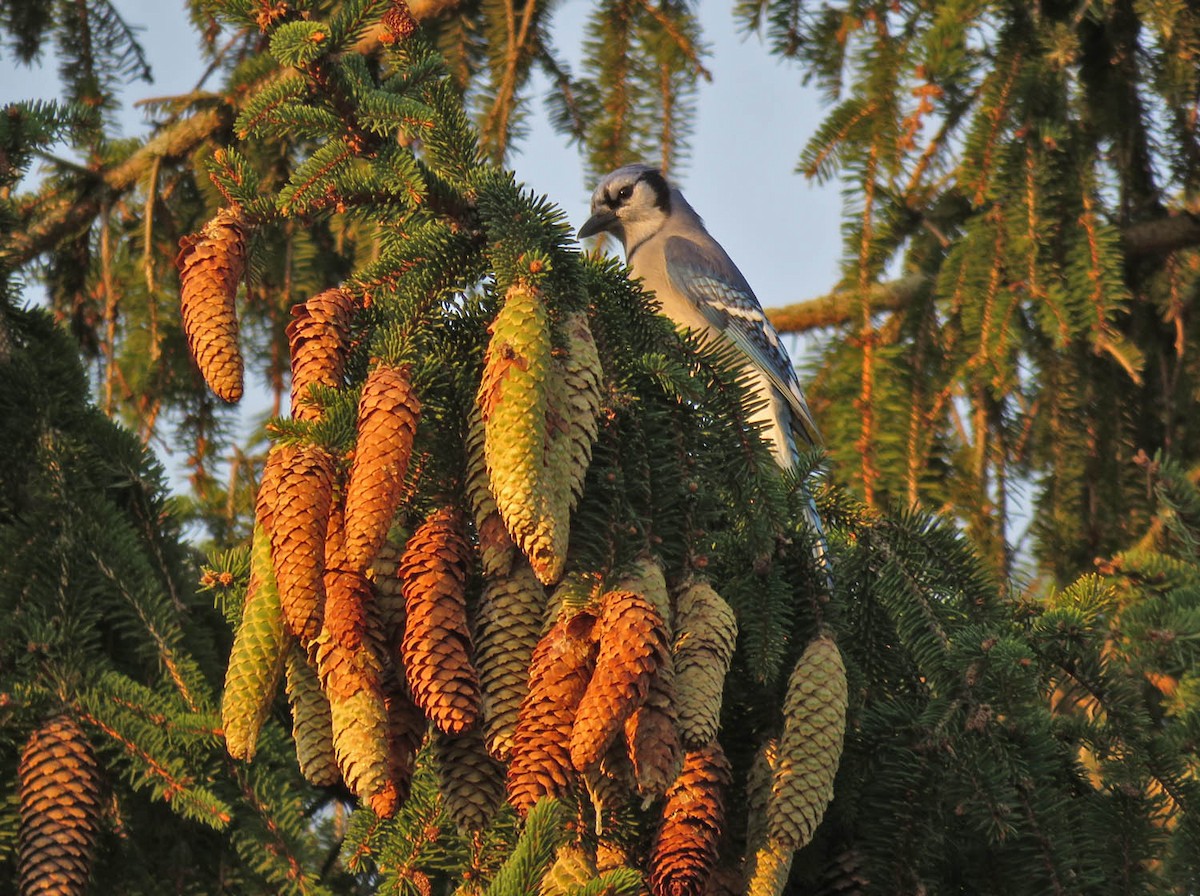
x: 753, y: 120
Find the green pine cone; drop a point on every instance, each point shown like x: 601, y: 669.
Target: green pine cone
x: 513, y: 397
x: 814, y: 726
x: 256, y: 660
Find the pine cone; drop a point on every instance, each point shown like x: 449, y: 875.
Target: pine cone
x: 437, y: 643
x: 768, y: 868
x: 387, y: 423
x: 572, y: 869
x: 508, y: 626
x: 319, y: 339
x: 704, y: 644
x: 59, y: 793
x: 633, y: 644
x: 513, y: 400
x: 384, y: 575
x: 299, y: 513
x: 572, y: 412
x: 496, y: 548
x: 558, y: 676
x: 685, y: 849
x: 471, y: 781
x: 352, y: 680
x: 406, y: 732
x: 312, y: 725
x: 256, y: 660
x: 652, y: 735
x: 646, y: 578
x: 211, y: 264
x: 758, y: 792
x: 814, y: 724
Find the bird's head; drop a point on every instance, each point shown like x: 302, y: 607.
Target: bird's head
x: 631, y: 203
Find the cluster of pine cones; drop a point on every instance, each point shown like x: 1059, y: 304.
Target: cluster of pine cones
x: 536, y: 693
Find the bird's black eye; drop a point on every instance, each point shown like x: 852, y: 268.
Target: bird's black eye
x: 624, y: 193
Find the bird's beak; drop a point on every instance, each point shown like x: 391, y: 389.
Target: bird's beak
x: 602, y: 220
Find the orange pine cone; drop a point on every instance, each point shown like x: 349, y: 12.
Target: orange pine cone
x: 353, y: 682
x: 559, y: 673
x: 437, y: 643
x: 633, y: 644
x: 59, y: 792
x: 685, y: 849
x: 387, y: 422
x: 299, y: 513
x: 211, y: 264
x: 652, y: 735
x: 318, y: 339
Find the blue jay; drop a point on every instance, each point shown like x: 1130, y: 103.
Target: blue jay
x: 701, y: 289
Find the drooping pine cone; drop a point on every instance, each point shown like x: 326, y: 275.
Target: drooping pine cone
x: 704, y: 643
x: 312, y: 724
x: 573, y: 409
x: 646, y: 578
x: 685, y: 848
x: 59, y: 793
x: 810, y: 748
x: 471, y: 781
x: 652, y: 735
x: 353, y: 682
x: 406, y: 732
x: 211, y: 264
x: 257, y: 657
x: 508, y: 626
x: 387, y: 423
x: 558, y: 676
x: 318, y: 339
x: 299, y: 513
x: 437, y: 642
x: 633, y: 644
x: 496, y: 548
x: 512, y: 399
x: 572, y: 869
x: 767, y: 869
x: 384, y: 575
x: 758, y: 792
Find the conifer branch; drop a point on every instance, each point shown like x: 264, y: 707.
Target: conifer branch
x: 1160, y: 236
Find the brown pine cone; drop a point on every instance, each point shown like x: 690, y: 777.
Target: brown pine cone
x: 211, y: 264
x: 685, y: 849
x: 59, y: 793
x: 406, y: 732
x: 558, y: 676
x: 299, y: 515
x: 384, y: 575
x: 312, y: 726
x: 387, y: 423
x: 319, y: 339
x: 496, y: 548
x: 471, y: 781
x: 508, y: 626
x: 437, y: 642
x: 633, y: 644
x: 652, y: 735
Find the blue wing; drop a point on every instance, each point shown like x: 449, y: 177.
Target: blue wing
x: 717, y: 288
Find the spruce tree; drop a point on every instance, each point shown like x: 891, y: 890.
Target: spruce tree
x: 513, y: 519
